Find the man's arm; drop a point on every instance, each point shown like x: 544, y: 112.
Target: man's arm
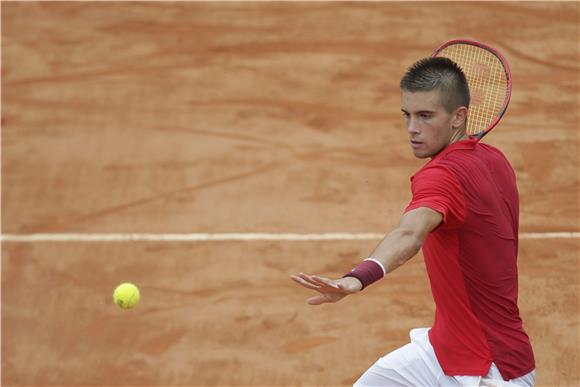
x: 395, y: 249
x: 406, y: 240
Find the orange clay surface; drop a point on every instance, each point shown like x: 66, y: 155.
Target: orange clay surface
x: 259, y: 117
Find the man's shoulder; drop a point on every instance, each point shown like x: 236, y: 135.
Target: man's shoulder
x: 433, y: 170
x: 489, y: 148
x: 465, y: 157
x: 461, y: 158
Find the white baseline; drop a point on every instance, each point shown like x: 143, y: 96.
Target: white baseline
x: 209, y: 237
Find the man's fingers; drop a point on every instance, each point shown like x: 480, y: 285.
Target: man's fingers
x: 317, y: 300
x: 304, y: 283
x: 324, y: 282
x: 310, y: 279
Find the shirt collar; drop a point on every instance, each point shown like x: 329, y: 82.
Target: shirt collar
x: 463, y: 144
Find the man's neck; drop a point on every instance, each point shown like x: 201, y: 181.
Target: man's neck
x: 458, y: 136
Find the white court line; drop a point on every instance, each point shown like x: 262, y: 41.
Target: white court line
x: 205, y: 237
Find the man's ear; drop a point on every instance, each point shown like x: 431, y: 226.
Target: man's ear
x: 459, y: 117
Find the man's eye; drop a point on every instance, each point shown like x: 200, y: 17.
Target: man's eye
x: 425, y: 115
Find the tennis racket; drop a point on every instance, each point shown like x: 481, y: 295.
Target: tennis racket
x: 489, y: 79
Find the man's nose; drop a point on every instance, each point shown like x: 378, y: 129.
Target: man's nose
x: 412, y: 126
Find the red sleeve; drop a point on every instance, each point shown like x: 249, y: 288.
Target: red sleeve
x: 438, y: 188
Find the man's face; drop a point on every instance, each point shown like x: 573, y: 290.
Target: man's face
x: 429, y: 125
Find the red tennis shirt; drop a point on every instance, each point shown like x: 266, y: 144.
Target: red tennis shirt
x: 471, y: 260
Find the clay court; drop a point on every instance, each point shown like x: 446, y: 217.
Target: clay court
x: 158, y: 118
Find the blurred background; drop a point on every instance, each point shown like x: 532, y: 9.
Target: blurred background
x: 278, y: 117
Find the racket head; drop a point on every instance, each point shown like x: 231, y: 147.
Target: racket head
x: 489, y: 79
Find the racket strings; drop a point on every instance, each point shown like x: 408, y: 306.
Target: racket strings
x: 487, y: 83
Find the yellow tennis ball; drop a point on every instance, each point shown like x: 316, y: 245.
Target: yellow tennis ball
x: 126, y: 296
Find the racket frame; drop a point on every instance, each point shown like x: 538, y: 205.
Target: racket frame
x: 507, y: 71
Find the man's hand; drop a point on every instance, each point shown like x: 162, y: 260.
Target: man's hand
x: 330, y: 290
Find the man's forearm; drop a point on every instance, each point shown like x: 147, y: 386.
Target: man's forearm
x: 396, y: 248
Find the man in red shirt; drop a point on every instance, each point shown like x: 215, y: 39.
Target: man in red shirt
x: 464, y: 214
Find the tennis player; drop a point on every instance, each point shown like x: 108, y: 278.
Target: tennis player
x: 464, y: 214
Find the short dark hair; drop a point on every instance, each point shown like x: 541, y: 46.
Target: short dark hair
x: 438, y: 74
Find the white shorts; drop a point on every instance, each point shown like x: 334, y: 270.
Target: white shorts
x: 415, y: 364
